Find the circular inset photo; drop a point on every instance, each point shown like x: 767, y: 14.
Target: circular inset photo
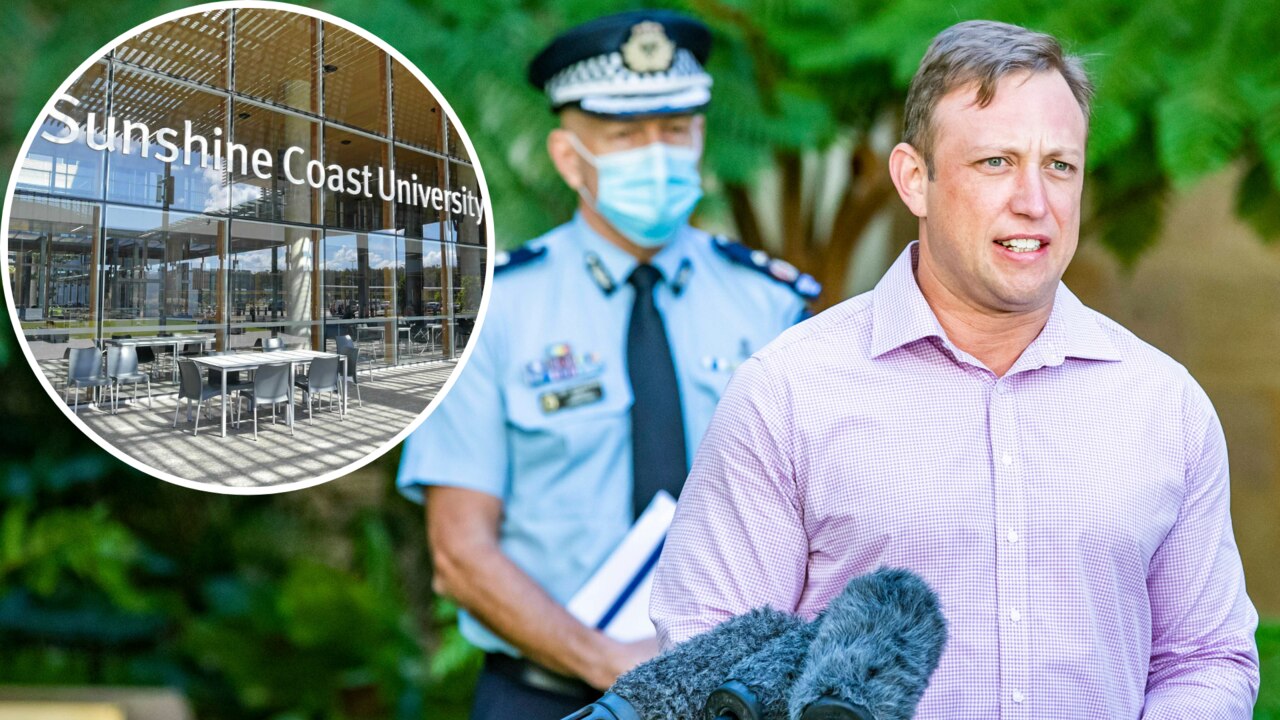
x: 248, y: 245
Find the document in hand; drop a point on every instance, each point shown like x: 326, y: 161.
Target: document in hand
x: 616, y: 598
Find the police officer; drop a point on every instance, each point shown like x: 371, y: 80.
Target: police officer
x: 607, y: 343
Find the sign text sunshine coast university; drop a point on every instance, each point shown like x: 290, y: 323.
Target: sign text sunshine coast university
x: 170, y: 145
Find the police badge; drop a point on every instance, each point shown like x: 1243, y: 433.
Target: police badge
x: 648, y: 49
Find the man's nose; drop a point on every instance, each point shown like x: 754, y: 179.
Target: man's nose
x: 1029, y: 197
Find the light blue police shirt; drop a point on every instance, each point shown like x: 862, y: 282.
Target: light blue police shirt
x: 540, y: 415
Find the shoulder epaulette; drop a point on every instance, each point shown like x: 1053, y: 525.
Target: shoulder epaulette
x: 803, y: 284
x: 523, y: 255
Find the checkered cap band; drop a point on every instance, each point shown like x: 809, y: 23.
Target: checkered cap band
x: 607, y: 76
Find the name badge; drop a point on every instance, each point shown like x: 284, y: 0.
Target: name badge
x: 556, y: 400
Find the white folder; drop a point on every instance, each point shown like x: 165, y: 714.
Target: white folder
x: 615, y: 600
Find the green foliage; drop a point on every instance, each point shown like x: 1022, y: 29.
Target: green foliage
x: 346, y: 634
x: 310, y: 605
x: 1268, y: 707
x: 454, y: 666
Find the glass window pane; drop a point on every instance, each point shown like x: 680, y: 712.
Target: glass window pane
x: 467, y: 227
x: 273, y: 281
x: 150, y: 111
x: 418, y: 120
x: 466, y: 273
x: 269, y: 136
x: 419, y: 219
x: 359, y: 290
x: 71, y: 169
x: 468, y: 266
x: 161, y: 270
x: 193, y: 47
x: 350, y: 207
x: 52, y: 271
x: 355, y: 81
x: 277, y: 57
x: 420, y: 294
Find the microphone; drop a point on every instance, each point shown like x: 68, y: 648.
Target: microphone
x: 673, y: 685
x: 760, y: 684
x: 876, y: 646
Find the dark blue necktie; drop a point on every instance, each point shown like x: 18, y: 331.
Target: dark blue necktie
x: 657, y: 424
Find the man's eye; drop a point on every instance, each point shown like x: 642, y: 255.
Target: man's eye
x: 1061, y: 166
x: 994, y: 162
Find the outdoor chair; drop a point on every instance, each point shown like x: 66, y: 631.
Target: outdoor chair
x: 122, y: 367
x: 321, y: 377
x: 234, y: 383
x: 273, y: 344
x: 270, y: 387
x: 146, y: 354
x: 191, y: 388
x: 84, y: 370
x: 352, y: 376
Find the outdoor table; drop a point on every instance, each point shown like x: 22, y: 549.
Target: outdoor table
x: 177, y: 341
x: 252, y: 360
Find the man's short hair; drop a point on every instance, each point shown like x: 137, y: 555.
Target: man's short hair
x: 983, y: 52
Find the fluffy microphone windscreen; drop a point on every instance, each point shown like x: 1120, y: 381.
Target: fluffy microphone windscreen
x: 675, y: 684
x: 877, y: 644
x: 766, y: 677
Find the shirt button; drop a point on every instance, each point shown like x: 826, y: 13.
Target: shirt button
x: 1013, y: 536
x: 1007, y: 459
x: 1014, y: 615
x: 1017, y: 696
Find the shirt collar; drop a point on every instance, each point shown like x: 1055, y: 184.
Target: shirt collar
x: 619, y: 263
x: 901, y: 315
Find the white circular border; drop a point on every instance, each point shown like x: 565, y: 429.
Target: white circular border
x: 489, y: 244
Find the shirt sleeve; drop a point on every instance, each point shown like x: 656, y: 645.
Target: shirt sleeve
x: 463, y: 442
x: 737, y: 541
x: 1204, y: 658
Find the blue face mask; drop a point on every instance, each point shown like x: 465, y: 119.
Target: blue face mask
x: 646, y: 193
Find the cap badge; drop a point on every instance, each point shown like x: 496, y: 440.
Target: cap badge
x: 648, y: 49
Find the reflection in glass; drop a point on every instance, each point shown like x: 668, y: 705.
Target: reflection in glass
x: 462, y: 178
x: 276, y: 57
x: 466, y: 269
x: 52, y: 272
x: 161, y: 270
x: 351, y: 208
x: 359, y: 287
x: 193, y: 47
x: 105, y: 242
x: 355, y: 80
x: 145, y: 106
x: 269, y: 135
x: 414, y: 219
x: 272, y: 279
x: 420, y: 290
x: 418, y: 120
x: 72, y: 169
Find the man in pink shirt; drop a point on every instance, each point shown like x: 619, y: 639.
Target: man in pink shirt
x: 1061, y: 484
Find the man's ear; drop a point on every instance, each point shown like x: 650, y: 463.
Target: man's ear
x: 910, y: 176
x: 565, y: 157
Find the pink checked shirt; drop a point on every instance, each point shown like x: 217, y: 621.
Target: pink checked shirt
x: 1072, y: 516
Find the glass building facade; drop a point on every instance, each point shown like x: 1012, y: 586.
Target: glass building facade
x: 106, y: 240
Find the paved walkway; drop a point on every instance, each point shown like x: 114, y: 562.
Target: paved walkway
x: 392, y: 398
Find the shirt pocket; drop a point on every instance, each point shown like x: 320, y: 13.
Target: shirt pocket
x: 706, y: 384
x: 565, y: 458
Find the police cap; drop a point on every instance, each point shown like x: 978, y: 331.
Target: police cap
x: 638, y: 63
